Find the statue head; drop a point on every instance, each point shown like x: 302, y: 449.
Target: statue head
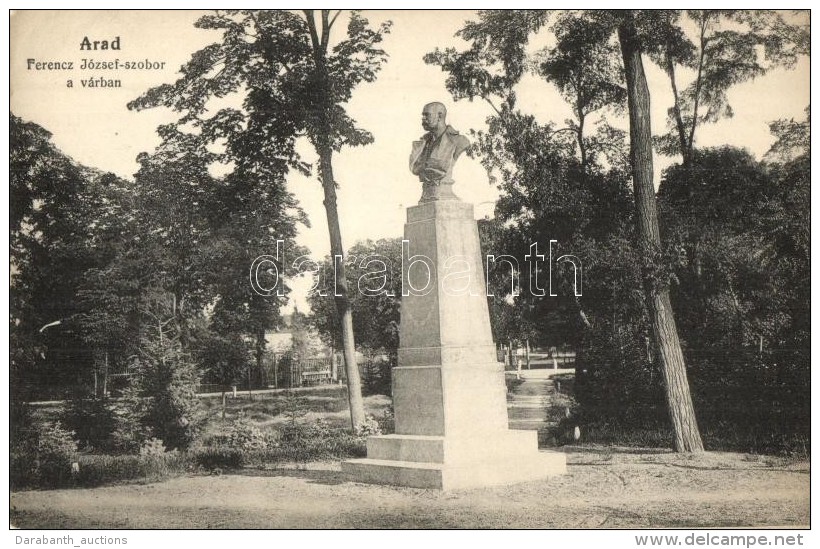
x: 434, y: 117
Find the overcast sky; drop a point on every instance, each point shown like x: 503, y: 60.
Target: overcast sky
x: 95, y: 128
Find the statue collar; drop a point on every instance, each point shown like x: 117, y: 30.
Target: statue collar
x: 449, y: 130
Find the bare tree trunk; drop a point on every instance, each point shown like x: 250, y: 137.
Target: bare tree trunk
x: 673, y: 368
x: 581, y: 145
x: 354, y: 383
x: 527, y: 352
x: 259, y: 357
x: 685, y: 149
x: 325, y: 151
x: 105, y: 376
x: 690, y: 143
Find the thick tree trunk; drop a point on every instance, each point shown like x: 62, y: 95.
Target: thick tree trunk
x: 673, y: 368
x: 354, y: 384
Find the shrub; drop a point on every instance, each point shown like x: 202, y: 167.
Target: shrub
x: 387, y: 421
x: 44, y: 458
x: 295, y: 407
x: 130, y: 431
x: 218, y: 457
x: 246, y: 436
x: 96, y: 470
x: 153, y: 447
x: 91, y: 419
x: 303, y: 433
x: 56, y: 451
x: 301, y: 442
x: 49, y: 455
x: 242, y: 444
x: 377, y: 375
x: 166, y: 380
x: 21, y: 462
x: 315, y: 441
x: 370, y: 427
x: 615, y: 381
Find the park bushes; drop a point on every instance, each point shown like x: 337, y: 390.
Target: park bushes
x: 54, y: 462
x: 48, y: 455
x: 92, y: 420
x: 745, y: 401
x: 97, y: 470
x: 296, y: 441
x: 42, y: 456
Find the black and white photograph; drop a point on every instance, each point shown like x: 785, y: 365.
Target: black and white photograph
x: 334, y: 269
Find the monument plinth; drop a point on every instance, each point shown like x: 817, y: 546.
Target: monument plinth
x: 449, y: 395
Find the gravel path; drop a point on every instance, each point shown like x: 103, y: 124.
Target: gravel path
x: 604, y: 488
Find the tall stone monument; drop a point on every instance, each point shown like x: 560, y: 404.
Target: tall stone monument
x: 449, y: 394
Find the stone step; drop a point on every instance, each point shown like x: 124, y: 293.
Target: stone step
x: 452, y: 448
x: 397, y: 473
x: 528, y: 466
x: 527, y: 404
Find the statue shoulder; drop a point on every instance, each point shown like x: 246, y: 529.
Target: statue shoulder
x: 461, y: 141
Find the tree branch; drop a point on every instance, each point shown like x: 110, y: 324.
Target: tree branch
x: 567, y: 129
x: 255, y: 24
x: 582, y: 314
x: 325, y: 30
x: 670, y: 70
x: 338, y: 12
x: 699, y: 81
x: 314, y: 37
x: 489, y: 102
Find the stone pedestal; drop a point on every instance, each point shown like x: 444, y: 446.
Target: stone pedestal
x: 449, y: 394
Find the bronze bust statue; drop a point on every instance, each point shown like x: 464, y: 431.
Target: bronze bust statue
x: 434, y: 155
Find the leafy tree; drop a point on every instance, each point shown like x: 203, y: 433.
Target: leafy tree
x: 543, y: 194
x: 202, y: 233
x: 253, y: 217
x: 793, y: 138
x: 110, y: 292
x: 496, y: 59
x: 792, y: 237
x: 374, y: 269
x: 742, y: 288
x: 175, y: 205
x: 583, y: 65
x: 632, y: 42
x: 52, y: 218
x: 225, y: 359
x: 167, y: 378
x: 681, y: 411
x: 729, y: 47
x: 293, y: 84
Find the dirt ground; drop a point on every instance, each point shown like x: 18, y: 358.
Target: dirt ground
x: 604, y: 488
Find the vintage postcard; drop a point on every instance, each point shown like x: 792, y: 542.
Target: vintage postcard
x: 410, y: 269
